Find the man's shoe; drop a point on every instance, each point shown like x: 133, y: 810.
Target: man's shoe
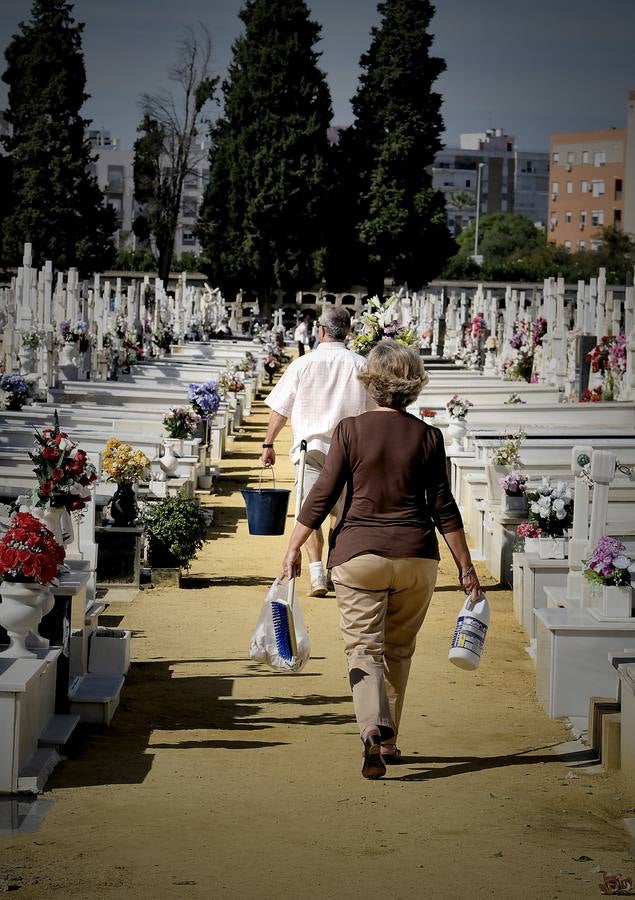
x: 318, y: 587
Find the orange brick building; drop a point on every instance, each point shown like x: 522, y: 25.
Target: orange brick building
x: 586, y: 186
x: 592, y: 183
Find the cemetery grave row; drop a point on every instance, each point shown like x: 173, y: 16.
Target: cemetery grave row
x: 529, y: 365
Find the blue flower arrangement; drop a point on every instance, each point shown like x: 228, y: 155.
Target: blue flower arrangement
x: 205, y: 398
x: 15, y: 389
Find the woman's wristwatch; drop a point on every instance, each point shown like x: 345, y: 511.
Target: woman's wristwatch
x: 267, y: 446
x: 469, y: 571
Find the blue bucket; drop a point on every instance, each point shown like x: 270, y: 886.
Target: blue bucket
x: 266, y: 509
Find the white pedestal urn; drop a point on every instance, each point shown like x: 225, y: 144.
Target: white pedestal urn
x: 34, y: 640
x: 28, y: 359
x: 552, y: 547
x: 611, y: 601
x: 69, y: 361
x: 68, y: 354
x: 169, y: 462
x: 21, y: 612
x: 457, y: 429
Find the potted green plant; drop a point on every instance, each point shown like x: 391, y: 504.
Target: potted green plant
x: 176, y: 531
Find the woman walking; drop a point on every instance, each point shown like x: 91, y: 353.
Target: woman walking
x: 384, y: 552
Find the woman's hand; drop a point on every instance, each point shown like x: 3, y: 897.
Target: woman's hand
x: 470, y: 583
x: 291, y: 564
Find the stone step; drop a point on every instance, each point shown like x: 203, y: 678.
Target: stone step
x: 35, y: 773
x: 57, y: 731
x: 95, y: 698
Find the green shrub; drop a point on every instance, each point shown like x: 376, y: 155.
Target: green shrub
x: 179, y: 524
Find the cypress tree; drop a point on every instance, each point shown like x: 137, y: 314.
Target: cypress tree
x: 262, y: 222
x: 55, y: 201
x: 400, y: 219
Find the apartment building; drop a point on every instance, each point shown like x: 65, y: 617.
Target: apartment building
x: 487, y: 169
x: 114, y: 169
x: 592, y: 183
x: 586, y: 184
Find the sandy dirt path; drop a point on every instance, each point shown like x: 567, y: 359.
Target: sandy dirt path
x: 219, y: 778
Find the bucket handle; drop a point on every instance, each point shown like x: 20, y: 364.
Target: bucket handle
x: 264, y: 469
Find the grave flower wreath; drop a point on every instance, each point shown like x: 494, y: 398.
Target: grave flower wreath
x: 14, y: 391
x: 458, y: 407
x: 508, y: 453
x: 231, y: 381
x: 63, y: 471
x: 29, y: 552
x: 205, y: 398
x: 551, y: 507
x: 181, y: 421
x: 514, y: 483
x: 609, y: 564
x: 528, y: 530
x: 379, y: 323
x: 122, y: 463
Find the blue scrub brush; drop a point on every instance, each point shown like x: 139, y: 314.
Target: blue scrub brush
x: 281, y: 612
x: 284, y: 630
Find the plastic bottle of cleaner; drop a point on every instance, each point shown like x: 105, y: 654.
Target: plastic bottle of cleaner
x: 470, y: 632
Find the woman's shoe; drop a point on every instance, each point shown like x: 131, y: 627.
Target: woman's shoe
x: 373, y: 765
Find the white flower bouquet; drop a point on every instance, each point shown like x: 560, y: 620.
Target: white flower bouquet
x: 458, y: 406
x: 551, y: 507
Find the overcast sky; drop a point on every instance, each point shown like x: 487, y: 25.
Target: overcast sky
x: 532, y: 67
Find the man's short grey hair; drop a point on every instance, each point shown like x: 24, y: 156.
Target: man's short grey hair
x: 336, y: 321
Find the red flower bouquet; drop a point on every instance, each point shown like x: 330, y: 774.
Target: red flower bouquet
x: 29, y: 552
x: 63, y: 472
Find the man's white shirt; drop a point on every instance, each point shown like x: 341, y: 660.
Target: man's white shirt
x: 317, y: 391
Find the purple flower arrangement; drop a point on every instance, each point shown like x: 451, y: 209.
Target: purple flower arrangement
x: 205, y: 398
x: 181, y: 421
x: 514, y: 483
x: 608, y: 564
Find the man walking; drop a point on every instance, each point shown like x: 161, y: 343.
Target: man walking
x: 317, y: 391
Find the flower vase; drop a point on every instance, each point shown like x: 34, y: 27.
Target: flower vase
x: 493, y: 473
x: 68, y: 355
x: 611, y: 601
x: 21, y: 611
x: 123, y: 506
x: 68, y: 361
x: 457, y: 429
x: 169, y: 462
x: 56, y: 520
x: 516, y: 504
x: 550, y: 547
x: 28, y: 360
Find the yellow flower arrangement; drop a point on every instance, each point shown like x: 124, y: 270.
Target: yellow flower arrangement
x: 122, y: 462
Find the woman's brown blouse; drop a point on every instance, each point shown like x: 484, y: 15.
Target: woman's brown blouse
x: 393, y: 467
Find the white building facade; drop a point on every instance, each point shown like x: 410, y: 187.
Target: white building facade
x: 488, y: 168
x: 114, y: 168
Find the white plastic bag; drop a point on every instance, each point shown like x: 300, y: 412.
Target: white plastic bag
x: 264, y: 646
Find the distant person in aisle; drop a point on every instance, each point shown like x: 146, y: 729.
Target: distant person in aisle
x: 316, y: 391
x: 301, y: 336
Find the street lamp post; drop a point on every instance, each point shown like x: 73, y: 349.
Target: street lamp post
x: 476, y: 257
